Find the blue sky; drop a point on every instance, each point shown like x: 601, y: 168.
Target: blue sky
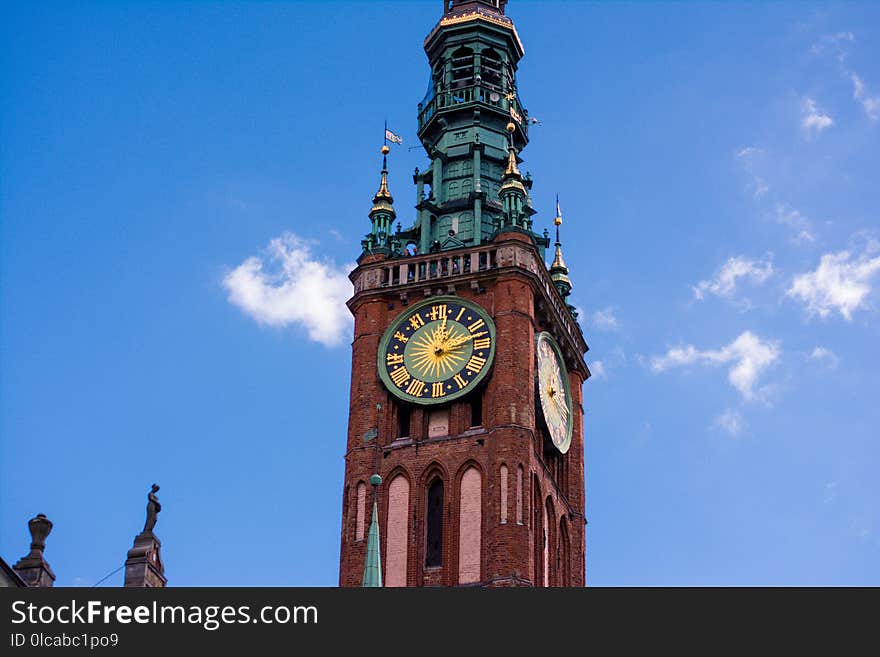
x: 182, y: 190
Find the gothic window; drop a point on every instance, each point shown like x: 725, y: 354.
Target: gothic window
x: 398, y: 530
x: 434, y: 525
x: 462, y: 68
x: 470, y: 519
x: 466, y: 186
x: 519, y: 495
x: 545, y: 544
x: 550, y: 554
x: 467, y: 167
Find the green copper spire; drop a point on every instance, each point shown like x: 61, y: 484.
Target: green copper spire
x: 373, y: 562
x: 558, y: 270
x: 512, y: 193
x: 382, y: 214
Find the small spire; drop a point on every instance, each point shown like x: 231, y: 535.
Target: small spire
x: 373, y: 562
x: 512, y: 169
x: 383, y: 194
x: 512, y: 191
x: 558, y: 270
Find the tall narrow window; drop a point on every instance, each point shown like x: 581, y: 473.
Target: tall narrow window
x: 502, y: 483
x: 398, y: 530
x: 545, y: 551
x: 360, y: 522
x: 470, y: 518
x: 477, y: 409
x: 403, y: 417
x: 519, y: 495
x: 434, y: 525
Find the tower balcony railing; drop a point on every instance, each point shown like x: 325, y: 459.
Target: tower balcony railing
x: 476, y: 93
x: 429, y: 267
x: 437, y: 267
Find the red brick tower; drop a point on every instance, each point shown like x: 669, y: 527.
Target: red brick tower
x: 467, y: 360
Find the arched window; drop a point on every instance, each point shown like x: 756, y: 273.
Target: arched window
x: 519, y: 495
x: 361, y: 511
x: 398, y: 531
x: 434, y: 525
x: 550, y: 550
x: 470, y: 518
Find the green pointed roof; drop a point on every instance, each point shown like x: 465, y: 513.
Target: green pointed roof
x: 373, y: 562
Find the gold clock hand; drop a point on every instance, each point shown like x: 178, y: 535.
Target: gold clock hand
x: 462, y: 340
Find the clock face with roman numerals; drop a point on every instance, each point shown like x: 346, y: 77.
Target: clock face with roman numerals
x: 553, y: 391
x: 437, y: 350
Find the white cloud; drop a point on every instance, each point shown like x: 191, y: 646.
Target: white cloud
x: 748, y: 356
x: 869, y: 103
x: 837, y: 42
x: 297, y: 289
x: 731, y: 421
x: 824, y: 357
x: 840, y: 283
x: 800, y: 225
x: 813, y: 119
x: 725, y: 280
x: 605, y: 320
x: 597, y: 369
x: 747, y: 156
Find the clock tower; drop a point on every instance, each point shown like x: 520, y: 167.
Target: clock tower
x: 467, y: 359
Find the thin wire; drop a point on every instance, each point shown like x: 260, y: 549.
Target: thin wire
x: 109, y: 575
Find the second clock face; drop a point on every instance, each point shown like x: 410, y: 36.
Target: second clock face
x: 437, y: 350
x: 553, y: 391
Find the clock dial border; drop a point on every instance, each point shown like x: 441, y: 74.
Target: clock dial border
x: 410, y: 311
x: 544, y: 336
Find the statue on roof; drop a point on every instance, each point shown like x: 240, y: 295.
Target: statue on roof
x: 153, y: 508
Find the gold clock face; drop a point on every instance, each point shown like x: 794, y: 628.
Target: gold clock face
x: 437, y: 350
x: 553, y: 391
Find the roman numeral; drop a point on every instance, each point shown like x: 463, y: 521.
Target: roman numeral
x: 460, y: 313
x: 400, y: 376
x: 482, y: 343
x: 393, y: 359
x: 416, y: 322
x: 475, y: 364
x: 400, y: 336
x: 415, y: 388
x: 460, y: 381
x: 476, y: 325
x: 438, y: 312
x: 437, y: 390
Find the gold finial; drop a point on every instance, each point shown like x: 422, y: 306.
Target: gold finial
x: 385, y: 150
x: 512, y: 169
x: 511, y: 127
x: 557, y: 221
